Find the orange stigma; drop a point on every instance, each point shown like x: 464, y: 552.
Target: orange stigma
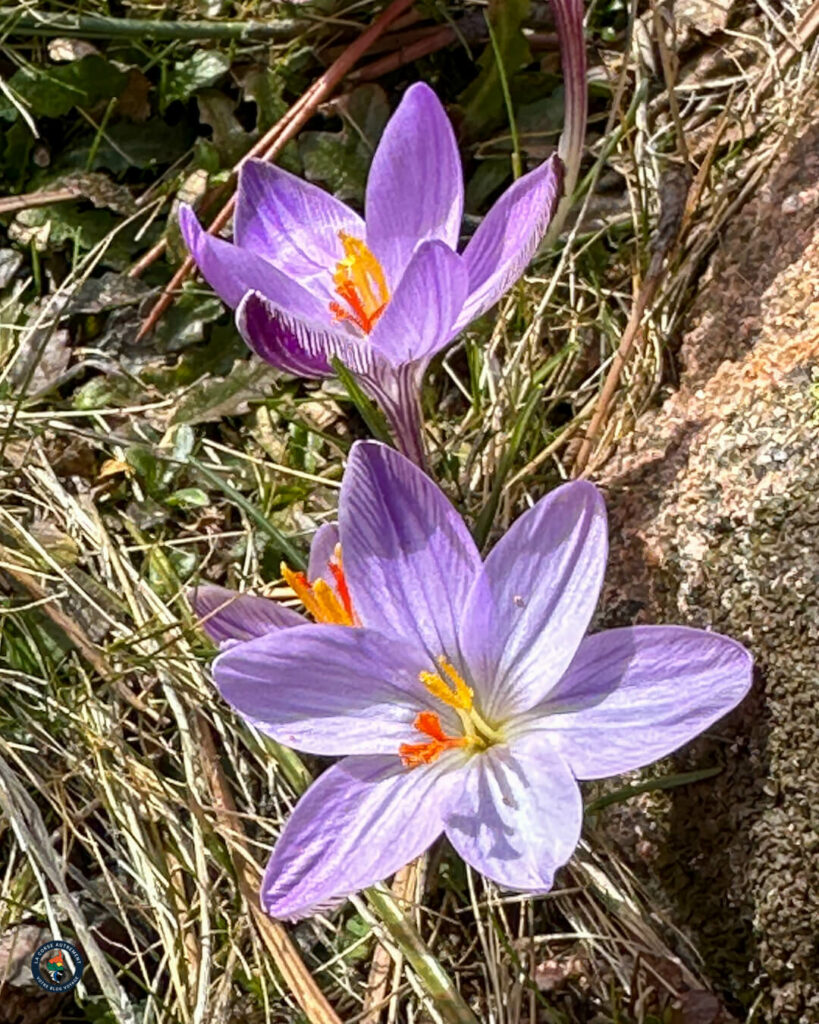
x: 360, y: 282
x: 450, y: 688
x: 323, y: 602
x: 415, y: 754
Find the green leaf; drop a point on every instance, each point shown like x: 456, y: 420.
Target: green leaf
x: 201, y: 70
x: 75, y: 226
x: 106, y: 392
x: 229, y: 138
x: 226, y: 396
x: 649, y: 786
x: 488, y: 177
x: 16, y: 144
x: 367, y: 410
x: 53, y: 91
x: 127, y: 144
x: 341, y: 160
x: 214, y: 359
x: 266, y: 89
x: 483, y: 100
x: 188, y: 497
x: 183, y: 324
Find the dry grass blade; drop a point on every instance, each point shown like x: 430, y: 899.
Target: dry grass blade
x: 273, y: 934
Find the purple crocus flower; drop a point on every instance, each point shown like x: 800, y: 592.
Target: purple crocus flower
x: 228, y: 616
x: 311, y: 280
x: 472, y: 701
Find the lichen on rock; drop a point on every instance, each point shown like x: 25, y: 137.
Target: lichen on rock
x: 714, y: 503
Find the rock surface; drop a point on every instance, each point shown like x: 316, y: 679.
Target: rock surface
x: 714, y: 504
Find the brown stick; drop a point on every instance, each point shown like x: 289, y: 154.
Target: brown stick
x: 429, y: 43
x: 11, y: 204
x: 274, y: 935
x: 613, y: 376
x: 272, y: 143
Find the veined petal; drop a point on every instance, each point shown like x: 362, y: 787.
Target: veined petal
x: 328, y: 689
x: 290, y: 341
x: 415, y: 189
x: 418, y: 320
x: 508, y: 237
x: 229, y: 615
x: 408, y: 557
x: 397, y: 390
x: 268, y: 335
x: 232, y: 272
x: 531, y: 606
x: 292, y: 223
x: 636, y: 694
x: 359, y: 823
x: 516, y: 814
x: 322, y: 551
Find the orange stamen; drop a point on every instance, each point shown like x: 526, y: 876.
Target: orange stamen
x: 342, y: 588
x: 415, y: 754
x: 319, y: 598
x: 359, y: 280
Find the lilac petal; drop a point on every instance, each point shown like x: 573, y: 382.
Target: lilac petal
x: 508, y: 237
x: 418, y: 320
x: 229, y: 615
x: 322, y: 551
x: 397, y: 390
x: 232, y: 272
x: 327, y: 689
x: 408, y: 557
x: 415, y: 189
x: 517, y: 815
x: 359, y: 823
x: 266, y: 333
x: 308, y: 342
x: 292, y: 223
x: 531, y: 606
x: 636, y: 694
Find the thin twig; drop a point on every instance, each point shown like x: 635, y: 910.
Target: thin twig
x: 27, y: 201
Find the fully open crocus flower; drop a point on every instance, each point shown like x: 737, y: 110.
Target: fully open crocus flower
x: 311, y: 280
x: 228, y: 616
x: 472, y: 700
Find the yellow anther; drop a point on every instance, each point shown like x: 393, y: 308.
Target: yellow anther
x: 360, y: 282
x: 458, y: 695
x: 318, y: 598
x: 330, y: 608
x: 297, y: 582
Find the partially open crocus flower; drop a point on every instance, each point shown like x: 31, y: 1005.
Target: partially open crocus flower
x: 228, y: 616
x: 472, y: 701
x: 311, y: 280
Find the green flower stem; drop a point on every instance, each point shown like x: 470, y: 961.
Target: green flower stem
x: 448, y: 1000
x: 438, y: 985
x: 49, y: 24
